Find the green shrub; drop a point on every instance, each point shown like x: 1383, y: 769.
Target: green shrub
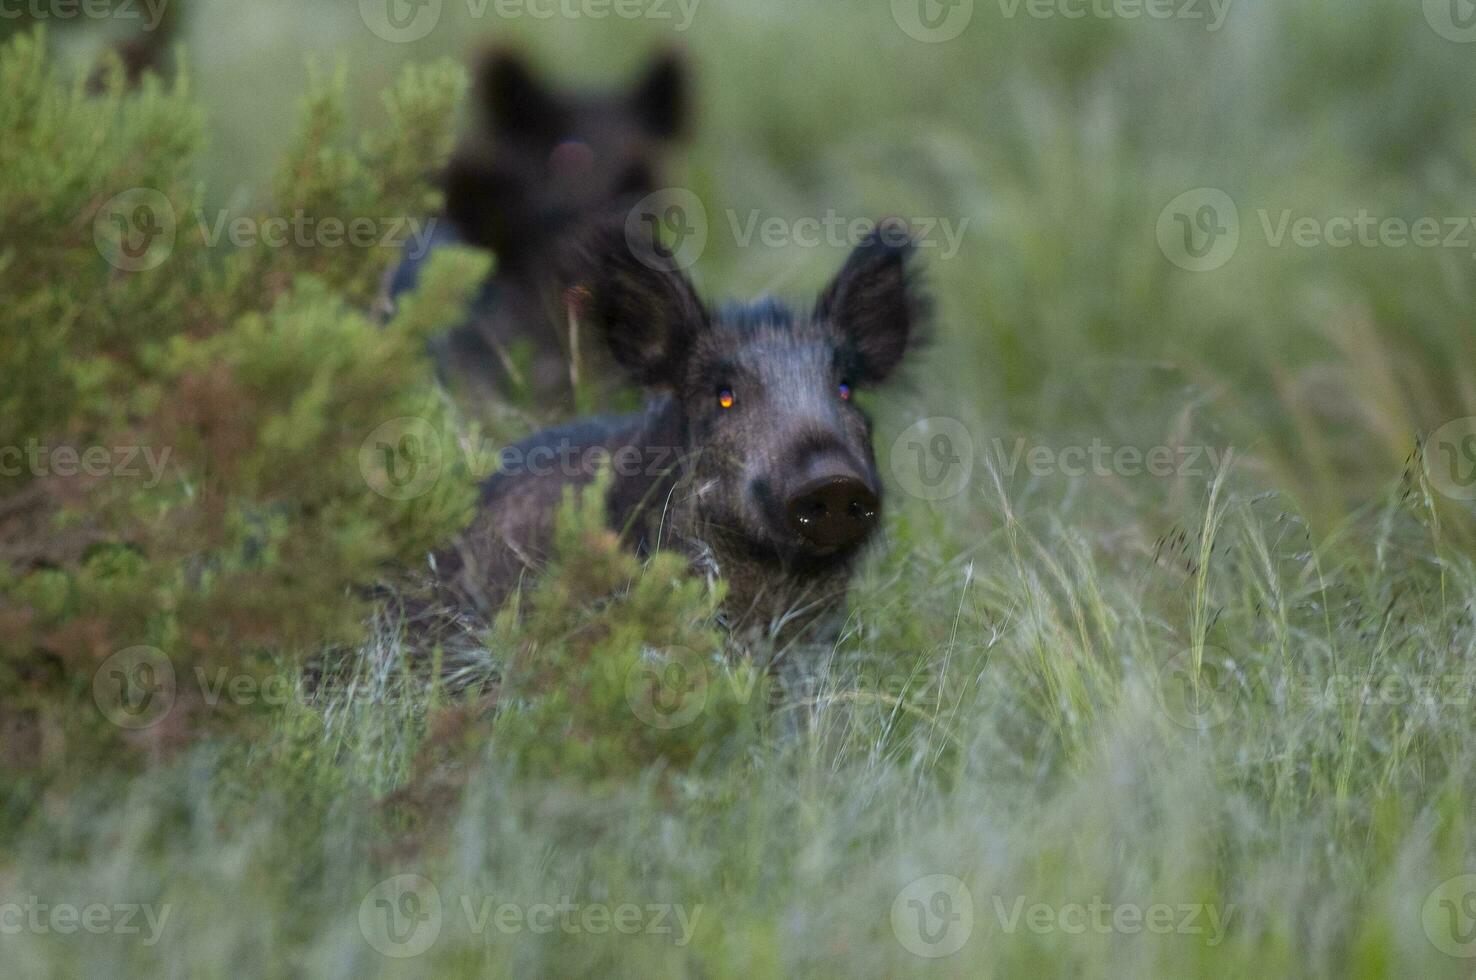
x: 193, y: 430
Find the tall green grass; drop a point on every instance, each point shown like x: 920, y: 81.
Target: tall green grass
x: 1246, y: 691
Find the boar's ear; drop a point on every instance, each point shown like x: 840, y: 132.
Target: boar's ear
x: 516, y: 103
x: 660, y: 97
x: 626, y: 287
x: 877, y: 302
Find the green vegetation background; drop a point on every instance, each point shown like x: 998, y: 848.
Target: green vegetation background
x: 1005, y: 705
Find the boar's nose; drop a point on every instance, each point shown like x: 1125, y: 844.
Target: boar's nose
x: 833, y: 511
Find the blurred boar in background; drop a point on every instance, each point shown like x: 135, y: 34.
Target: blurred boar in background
x: 544, y: 163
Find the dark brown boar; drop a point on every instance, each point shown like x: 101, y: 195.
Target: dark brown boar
x: 541, y: 164
x: 751, y: 455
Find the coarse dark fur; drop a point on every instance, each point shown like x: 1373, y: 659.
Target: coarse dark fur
x: 543, y: 163
x: 719, y: 483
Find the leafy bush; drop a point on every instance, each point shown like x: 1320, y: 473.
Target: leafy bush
x: 189, y: 428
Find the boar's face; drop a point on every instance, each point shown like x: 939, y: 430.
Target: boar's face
x: 779, y: 454
x: 550, y: 158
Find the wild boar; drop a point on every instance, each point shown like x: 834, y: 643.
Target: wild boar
x: 547, y: 162
x: 751, y: 455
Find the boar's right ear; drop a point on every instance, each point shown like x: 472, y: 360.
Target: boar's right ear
x: 515, y: 102
x: 661, y: 97
x: 626, y: 286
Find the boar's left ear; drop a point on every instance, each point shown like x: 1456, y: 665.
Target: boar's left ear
x: 660, y: 97
x: 877, y: 302
x: 622, y: 283
x: 516, y: 103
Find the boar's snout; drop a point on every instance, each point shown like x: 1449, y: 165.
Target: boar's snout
x: 833, y: 508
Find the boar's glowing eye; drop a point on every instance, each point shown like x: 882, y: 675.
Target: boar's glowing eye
x: 845, y: 391
x: 725, y: 397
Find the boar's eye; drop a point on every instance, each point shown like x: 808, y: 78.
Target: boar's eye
x: 844, y: 390
x: 725, y: 398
